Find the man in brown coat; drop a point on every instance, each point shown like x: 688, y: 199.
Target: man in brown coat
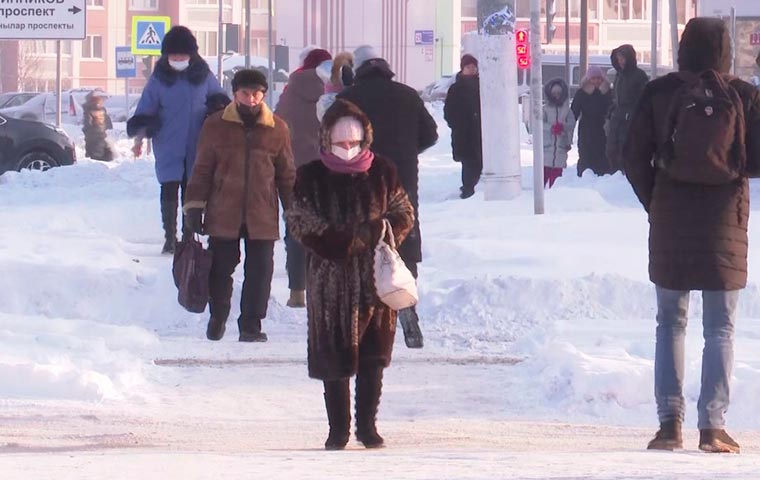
x: 244, y: 163
x: 698, y: 229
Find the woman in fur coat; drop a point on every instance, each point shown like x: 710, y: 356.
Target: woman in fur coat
x: 340, y: 204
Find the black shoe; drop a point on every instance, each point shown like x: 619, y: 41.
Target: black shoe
x: 410, y: 323
x: 466, y: 193
x: 259, y: 337
x: 668, y: 437
x: 169, y: 246
x: 717, y: 440
x: 215, y: 329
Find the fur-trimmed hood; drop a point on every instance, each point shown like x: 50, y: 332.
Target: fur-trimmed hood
x: 196, y: 73
x: 629, y: 53
x: 339, y: 109
x: 705, y: 45
x: 548, y: 95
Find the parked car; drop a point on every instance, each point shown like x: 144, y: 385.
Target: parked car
x: 14, y: 99
x: 42, y: 107
x: 119, y: 110
x: 33, y: 145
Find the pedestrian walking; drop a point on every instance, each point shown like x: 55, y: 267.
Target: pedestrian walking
x: 559, y: 123
x: 590, y: 106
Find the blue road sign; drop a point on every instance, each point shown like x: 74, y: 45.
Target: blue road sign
x: 126, y: 63
x: 148, y: 34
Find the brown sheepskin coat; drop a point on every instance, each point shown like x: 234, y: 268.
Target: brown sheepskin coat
x: 348, y: 324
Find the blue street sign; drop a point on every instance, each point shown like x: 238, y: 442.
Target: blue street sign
x: 126, y: 63
x: 148, y: 34
x: 424, y: 37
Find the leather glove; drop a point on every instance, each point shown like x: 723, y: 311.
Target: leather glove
x: 194, y: 219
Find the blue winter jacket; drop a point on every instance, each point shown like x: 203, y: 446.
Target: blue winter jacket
x: 172, y: 109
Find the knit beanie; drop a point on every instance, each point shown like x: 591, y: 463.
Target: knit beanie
x: 467, y: 59
x: 347, y: 129
x: 179, y: 40
x: 252, y: 79
x: 315, y: 58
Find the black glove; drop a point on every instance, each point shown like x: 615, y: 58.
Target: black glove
x: 194, y: 220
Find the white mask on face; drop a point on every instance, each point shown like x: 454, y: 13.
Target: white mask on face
x: 179, y: 66
x: 344, y: 154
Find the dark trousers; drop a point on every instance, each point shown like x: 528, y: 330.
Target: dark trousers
x: 257, y: 279
x: 295, y: 263
x: 472, y: 168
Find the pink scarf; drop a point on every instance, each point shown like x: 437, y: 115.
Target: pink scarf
x: 358, y: 164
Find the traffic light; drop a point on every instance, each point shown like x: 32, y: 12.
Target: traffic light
x: 147, y: 66
x: 551, y: 12
x: 523, y: 49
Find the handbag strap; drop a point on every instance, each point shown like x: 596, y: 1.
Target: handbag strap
x: 388, y: 229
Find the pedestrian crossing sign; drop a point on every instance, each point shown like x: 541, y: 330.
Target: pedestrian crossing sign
x: 148, y: 34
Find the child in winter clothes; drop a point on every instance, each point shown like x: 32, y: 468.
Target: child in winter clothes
x: 559, y: 123
x: 95, y: 123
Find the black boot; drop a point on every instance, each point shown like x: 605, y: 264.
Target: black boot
x: 410, y: 323
x: 338, y: 405
x: 668, y: 437
x: 220, y: 310
x: 169, y: 220
x: 369, y: 385
x: 250, y: 331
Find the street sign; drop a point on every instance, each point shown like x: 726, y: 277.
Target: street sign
x: 148, y: 33
x: 754, y: 38
x: 424, y: 37
x: 126, y: 63
x: 49, y: 20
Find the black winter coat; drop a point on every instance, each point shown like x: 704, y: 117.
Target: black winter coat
x: 590, y: 108
x: 462, y: 113
x: 403, y: 129
x: 698, y: 233
x: 629, y: 85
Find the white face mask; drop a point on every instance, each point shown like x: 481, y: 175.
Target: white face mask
x: 179, y: 66
x: 344, y: 154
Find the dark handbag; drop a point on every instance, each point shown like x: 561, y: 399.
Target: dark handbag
x: 191, y: 268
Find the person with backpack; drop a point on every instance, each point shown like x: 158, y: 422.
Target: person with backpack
x: 693, y: 143
x: 629, y: 84
x: 559, y: 123
x: 344, y: 202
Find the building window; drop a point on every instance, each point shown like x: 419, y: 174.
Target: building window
x: 47, y: 47
x: 95, y: 3
x: 143, y: 5
x: 92, y: 47
x: 207, y: 42
x: 624, y: 9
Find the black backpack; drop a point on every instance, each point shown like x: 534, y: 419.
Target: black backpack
x: 706, y: 131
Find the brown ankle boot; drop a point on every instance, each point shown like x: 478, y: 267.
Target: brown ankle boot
x: 668, y: 437
x: 297, y: 299
x: 717, y: 440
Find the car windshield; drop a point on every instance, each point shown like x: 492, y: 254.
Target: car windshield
x: 4, y: 98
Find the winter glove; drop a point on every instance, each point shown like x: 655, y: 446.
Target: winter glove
x: 558, y: 129
x: 194, y: 219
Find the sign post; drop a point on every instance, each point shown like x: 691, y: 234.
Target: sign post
x: 148, y: 33
x: 58, y: 20
x: 126, y: 68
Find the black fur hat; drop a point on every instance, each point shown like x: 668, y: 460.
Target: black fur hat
x: 179, y: 40
x: 249, y: 79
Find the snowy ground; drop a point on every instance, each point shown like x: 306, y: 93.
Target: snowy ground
x: 537, y: 364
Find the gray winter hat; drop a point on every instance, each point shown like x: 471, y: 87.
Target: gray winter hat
x: 364, y: 54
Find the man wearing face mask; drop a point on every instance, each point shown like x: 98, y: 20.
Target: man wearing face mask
x: 171, y: 111
x: 244, y: 164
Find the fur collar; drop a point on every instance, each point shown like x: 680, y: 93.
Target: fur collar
x: 266, y: 118
x: 196, y: 73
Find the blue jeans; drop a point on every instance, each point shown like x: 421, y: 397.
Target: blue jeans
x: 718, y: 319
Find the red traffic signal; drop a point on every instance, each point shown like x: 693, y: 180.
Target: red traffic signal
x: 522, y: 49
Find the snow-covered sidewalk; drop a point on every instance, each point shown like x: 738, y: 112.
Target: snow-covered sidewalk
x: 537, y: 364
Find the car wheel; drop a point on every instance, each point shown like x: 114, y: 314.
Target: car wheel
x: 37, y: 160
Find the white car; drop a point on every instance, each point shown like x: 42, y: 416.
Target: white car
x: 42, y: 108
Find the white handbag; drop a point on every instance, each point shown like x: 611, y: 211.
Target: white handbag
x: 395, y: 284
